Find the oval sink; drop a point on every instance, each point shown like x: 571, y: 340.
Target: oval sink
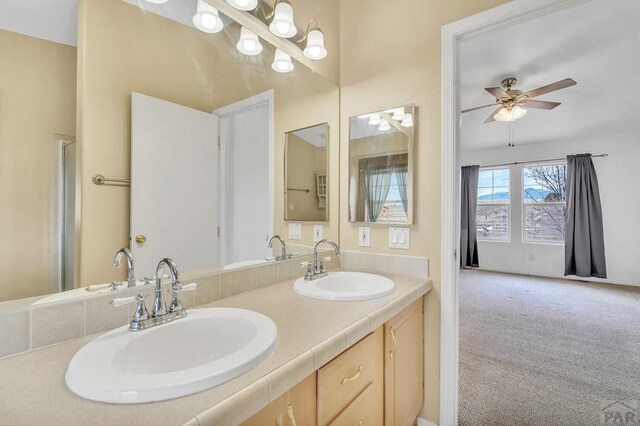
x: 204, y: 349
x: 345, y: 286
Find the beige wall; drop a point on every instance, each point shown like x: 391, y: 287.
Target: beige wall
x: 37, y: 100
x: 124, y: 50
x: 390, y: 56
x: 304, y: 161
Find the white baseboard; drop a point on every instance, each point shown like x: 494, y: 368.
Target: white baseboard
x: 424, y: 422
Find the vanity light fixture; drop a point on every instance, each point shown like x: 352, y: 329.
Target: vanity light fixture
x: 384, y: 126
x: 282, y: 24
x: 249, y: 44
x: 407, y: 121
x: 375, y: 119
x: 315, y: 49
x: 243, y: 4
x: 282, y: 62
x: 207, y: 19
x: 512, y: 113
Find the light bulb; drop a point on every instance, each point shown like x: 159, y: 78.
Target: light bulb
x: 407, y: 120
x: 315, y: 45
x: 243, y: 4
x: 384, y: 126
x: 374, y: 119
x: 282, y: 62
x: 206, y: 18
x: 249, y: 43
x: 282, y: 24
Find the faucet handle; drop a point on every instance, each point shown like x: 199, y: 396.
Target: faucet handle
x: 184, y: 287
x: 176, y: 303
x: 327, y: 259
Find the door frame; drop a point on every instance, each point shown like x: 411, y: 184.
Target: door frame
x: 226, y: 111
x: 56, y: 217
x: 511, y: 13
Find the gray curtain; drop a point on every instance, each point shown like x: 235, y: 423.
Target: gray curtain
x: 401, y: 178
x: 584, y: 236
x: 468, y: 227
x: 378, y: 182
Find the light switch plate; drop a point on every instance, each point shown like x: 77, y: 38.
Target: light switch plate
x: 295, y: 231
x: 317, y: 233
x: 364, y: 236
x: 400, y: 238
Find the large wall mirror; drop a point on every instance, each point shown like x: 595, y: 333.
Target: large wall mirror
x: 381, y: 147
x: 306, y: 174
x: 124, y: 125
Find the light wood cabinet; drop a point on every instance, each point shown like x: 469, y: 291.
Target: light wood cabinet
x: 404, y: 365
x: 296, y: 407
x: 378, y: 381
x: 350, y: 387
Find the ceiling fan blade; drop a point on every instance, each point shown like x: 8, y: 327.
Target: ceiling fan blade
x: 562, y: 84
x: 540, y: 104
x: 490, y: 119
x: 480, y: 107
x: 497, y: 92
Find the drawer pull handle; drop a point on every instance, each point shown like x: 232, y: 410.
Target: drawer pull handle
x: 354, y: 377
x: 394, y: 343
x: 290, y: 414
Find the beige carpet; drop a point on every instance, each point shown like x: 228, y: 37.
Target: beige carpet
x: 539, y: 351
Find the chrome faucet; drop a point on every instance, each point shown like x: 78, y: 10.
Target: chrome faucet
x: 131, y: 275
x: 283, y: 247
x: 315, y: 267
x: 159, y: 313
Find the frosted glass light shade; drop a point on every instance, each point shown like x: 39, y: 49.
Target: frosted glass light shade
x: 249, y: 44
x: 510, y: 114
x: 384, y: 126
x: 407, y: 121
x: 282, y: 62
x: 243, y: 4
x: 315, y: 49
x: 207, y: 19
x: 282, y: 24
x: 374, y: 119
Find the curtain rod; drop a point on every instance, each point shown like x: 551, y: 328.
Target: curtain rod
x: 538, y: 161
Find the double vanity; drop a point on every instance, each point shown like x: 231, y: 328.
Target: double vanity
x: 270, y: 355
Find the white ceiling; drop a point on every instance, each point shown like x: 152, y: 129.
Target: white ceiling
x: 57, y: 20
x: 315, y: 135
x: 54, y: 20
x: 597, y: 44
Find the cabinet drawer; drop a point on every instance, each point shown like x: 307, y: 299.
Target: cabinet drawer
x: 365, y: 410
x: 346, y: 376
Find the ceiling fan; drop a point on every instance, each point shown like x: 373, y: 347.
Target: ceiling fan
x: 512, y: 102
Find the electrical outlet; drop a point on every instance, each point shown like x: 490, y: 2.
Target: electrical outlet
x: 295, y: 231
x: 364, y: 236
x: 317, y: 233
x: 400, y: 238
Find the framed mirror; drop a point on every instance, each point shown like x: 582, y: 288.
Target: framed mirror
x: 381, y: 147
x: 154, y: 98
x: 307, y: 174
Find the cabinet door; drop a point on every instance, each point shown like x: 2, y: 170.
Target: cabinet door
x: 296, y: 407
x: 404, y: 366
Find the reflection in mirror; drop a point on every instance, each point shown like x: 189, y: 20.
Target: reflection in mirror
x: 37, y: 147
x: 380, y: 166
x: 306, y: 174
x: 154, y: 95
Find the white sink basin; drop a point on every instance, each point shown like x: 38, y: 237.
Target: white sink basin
x: 345, y: 286
x: 204, y: 349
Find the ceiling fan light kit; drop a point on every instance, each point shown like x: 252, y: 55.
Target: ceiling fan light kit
x: 512, y: 103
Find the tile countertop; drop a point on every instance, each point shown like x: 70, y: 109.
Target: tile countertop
x: 310, y: 333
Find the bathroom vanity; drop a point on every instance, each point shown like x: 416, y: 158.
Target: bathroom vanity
x: 321, y: 344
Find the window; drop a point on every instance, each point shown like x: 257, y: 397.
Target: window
x: 394, y: 209
x: 544, y: 203
x: 492, y: 214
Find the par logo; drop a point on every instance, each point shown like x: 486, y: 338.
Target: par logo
x: 619, y: 413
